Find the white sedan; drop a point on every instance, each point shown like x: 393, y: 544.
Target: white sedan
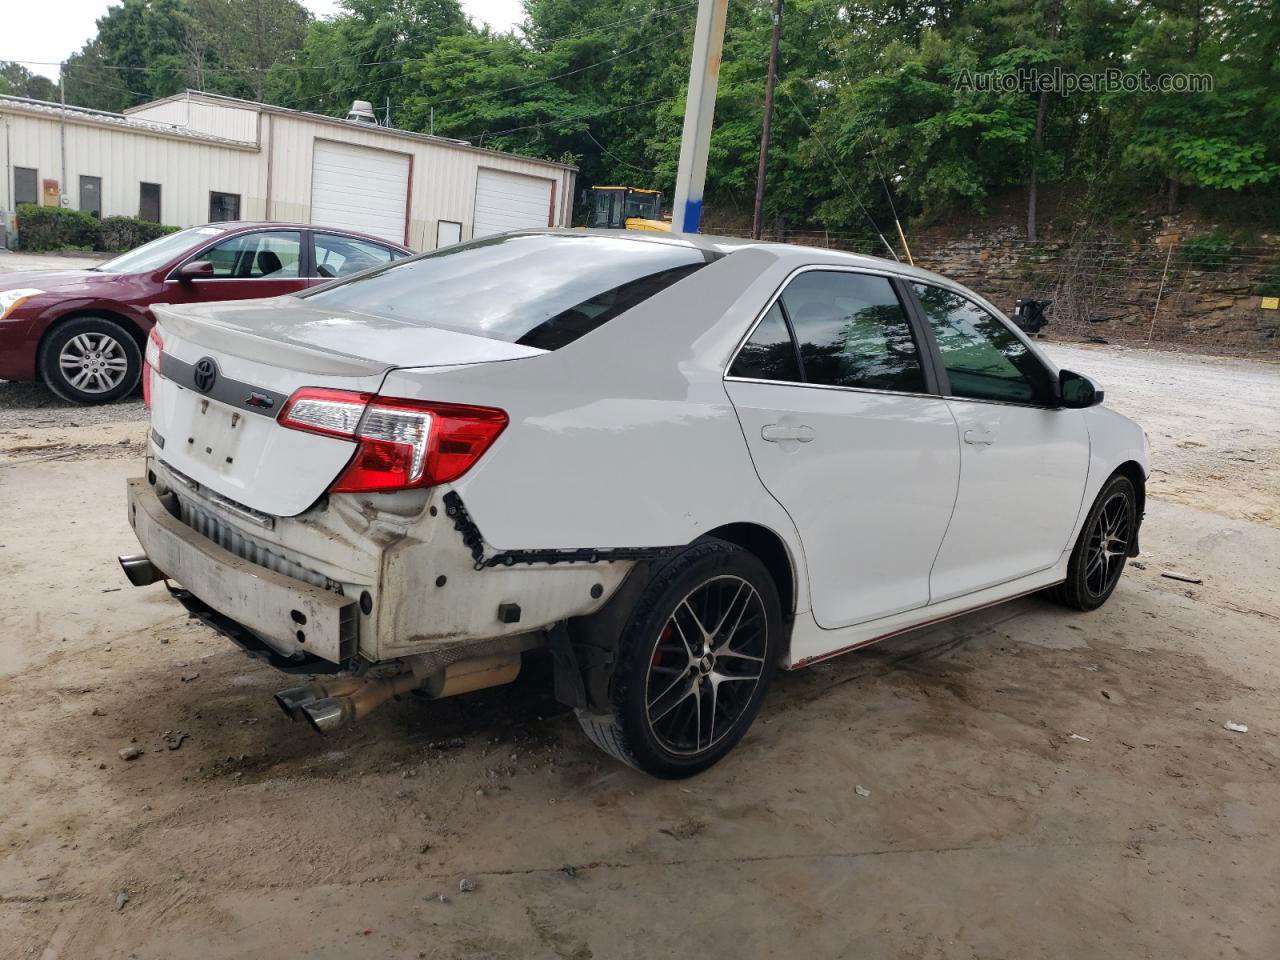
x: 674, y: 462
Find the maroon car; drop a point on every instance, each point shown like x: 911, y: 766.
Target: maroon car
x: 83, y: 332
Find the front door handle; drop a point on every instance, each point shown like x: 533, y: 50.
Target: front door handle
x: 777, y: 432
x: 979, y: 436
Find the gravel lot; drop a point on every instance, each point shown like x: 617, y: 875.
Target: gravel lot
x: 1042, y: 784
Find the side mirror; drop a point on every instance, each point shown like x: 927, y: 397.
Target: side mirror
x: 1078, y: 391
x: 196, y: 269
x: 1030, y: 315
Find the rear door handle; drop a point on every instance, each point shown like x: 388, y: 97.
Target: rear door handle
x: 980, y: 436
x: 777, y: 432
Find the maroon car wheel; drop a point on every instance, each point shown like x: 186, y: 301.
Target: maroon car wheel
x: 90, y: 360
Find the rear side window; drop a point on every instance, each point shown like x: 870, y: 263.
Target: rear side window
x: 984, y: 359
x: 540, y: 290
x: 853, y: 332
x: 770, y: 354
x: 344, y: 256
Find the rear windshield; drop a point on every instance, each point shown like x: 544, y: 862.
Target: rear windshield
x: 539, y: 290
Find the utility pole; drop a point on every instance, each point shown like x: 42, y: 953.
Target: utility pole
x: 768, y: 118
x: 62, y: 133
x: 699, y: 111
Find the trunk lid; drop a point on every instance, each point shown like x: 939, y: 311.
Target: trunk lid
x: 221, y: 431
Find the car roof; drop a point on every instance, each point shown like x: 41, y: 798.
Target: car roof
x: 725, y: 246
x: 796, y: 254
x: 241, y: 226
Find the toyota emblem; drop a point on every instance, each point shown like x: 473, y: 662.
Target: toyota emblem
x: 205, y: 374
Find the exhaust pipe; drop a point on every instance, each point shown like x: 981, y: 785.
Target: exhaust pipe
x: 329, y: 713
x: 331, y: 705
x: 140, y: 570
x: 292, y: 700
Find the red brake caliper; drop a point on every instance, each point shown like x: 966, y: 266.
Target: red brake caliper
x: 657, y: 651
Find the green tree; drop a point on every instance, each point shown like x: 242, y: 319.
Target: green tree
x: 16, y: 80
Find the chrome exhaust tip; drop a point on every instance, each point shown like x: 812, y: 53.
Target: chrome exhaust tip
x: 326, y: 715
x: 140, y: 570
x: 291, y: 701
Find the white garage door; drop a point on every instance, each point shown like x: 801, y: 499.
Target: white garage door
x: 510, y: 201
x: 357, y: 188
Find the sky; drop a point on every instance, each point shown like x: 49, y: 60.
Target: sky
x: 52, y: 30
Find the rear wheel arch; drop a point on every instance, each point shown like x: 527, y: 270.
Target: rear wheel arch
x: 596, y: 637
x: 769, y: 549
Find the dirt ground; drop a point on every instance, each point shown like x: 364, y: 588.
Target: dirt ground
x: 1041, y: 784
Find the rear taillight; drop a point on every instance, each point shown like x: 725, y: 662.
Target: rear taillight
x: 400, y: 443
x: 151, y: 363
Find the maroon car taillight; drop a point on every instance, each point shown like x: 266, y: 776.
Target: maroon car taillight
x: 400, y: 443
x: 151, y: 364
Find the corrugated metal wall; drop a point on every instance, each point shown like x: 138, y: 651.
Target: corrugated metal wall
x: 218, y: 120
x: 442, y: 178
x: 185, y: 169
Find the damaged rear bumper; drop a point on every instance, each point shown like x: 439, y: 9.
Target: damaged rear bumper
x: 293, y: 619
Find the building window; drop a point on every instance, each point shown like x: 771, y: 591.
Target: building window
x: 91, y: 195
x: 149, y: 202
x: 223, y: 207
x: 26, y: 185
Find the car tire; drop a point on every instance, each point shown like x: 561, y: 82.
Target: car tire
x: 1098, y: 557
x: 90, y: 360
x: 695, y: 659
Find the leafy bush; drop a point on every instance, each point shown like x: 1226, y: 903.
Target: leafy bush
x: 55, y: 228
x: 1209, y: 251
x: 118, y: 234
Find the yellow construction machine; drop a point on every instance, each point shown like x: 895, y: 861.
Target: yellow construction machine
x: 627, y: 208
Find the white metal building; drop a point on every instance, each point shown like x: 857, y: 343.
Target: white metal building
x: 195, y: 158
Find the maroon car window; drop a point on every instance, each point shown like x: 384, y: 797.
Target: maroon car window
x: 346, y: 256
x: 276, y: 255
x: 154, y: 255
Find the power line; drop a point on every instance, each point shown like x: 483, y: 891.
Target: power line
x: 609, y: 153
x: 582, y: 116
x: 532, y: 83
x: 844, y: 68
x: 840, y: 173
x: 369, y: 63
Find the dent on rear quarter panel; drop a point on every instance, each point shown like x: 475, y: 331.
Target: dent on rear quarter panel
x: 626, y: 437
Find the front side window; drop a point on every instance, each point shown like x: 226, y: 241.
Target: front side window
x: 344, y: 257
x: 223, y: 207
x: 257, y: 256
x: 770, y: 354
x: 539, y: 290
x: 853, y: 332
x: 984, y: 359
x: 162, y: 250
